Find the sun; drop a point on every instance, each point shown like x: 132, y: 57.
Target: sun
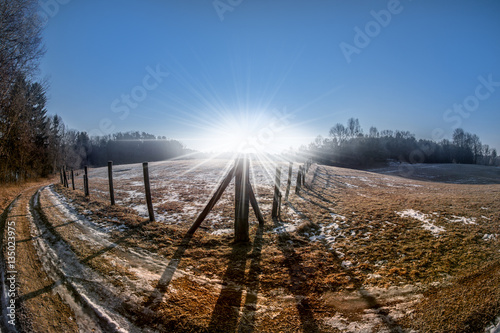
x: 243, y: 133
x: 251, y: 131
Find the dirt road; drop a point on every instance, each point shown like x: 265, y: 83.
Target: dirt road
x: 38, y: 307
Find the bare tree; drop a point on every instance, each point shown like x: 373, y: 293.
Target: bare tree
x: 353, y: 128
x: 20, y: 42
x: 338, y: 133
x: 373, y: 132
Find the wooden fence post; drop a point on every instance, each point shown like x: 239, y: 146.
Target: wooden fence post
x: 86, y: 181
x: 314, y: 177
x: 148, y: 191
x: 65, y: 177
x: 303, y: 178
x: 72, y: 179
x: 299, y: 181
x: 110, y: 179
x: 277, y: 194
x: 289, y: 181
x: 241, y: 201
x: 218, y: 193
x: 255, y: 206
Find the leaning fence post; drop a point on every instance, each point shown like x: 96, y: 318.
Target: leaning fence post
x: 289, y: 181
x: 218, y: 193
x: 110, y: 178
x: 72, y: 179
x: 277, y: 194
x: 241, y: 201
x: 255, y: 206
x: 148, y: 191
x: 86, y: 181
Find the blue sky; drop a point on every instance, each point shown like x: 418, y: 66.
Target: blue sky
x: 206, y: 71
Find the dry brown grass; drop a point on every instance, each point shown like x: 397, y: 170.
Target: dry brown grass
x: 377, y: 248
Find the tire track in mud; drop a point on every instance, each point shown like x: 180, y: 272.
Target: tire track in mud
x: 55, y: 290
x: 80, y: 283
x: 4, y: 320
x: 45, y: 312
x: 82, y: 250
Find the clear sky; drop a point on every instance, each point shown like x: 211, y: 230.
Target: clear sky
x: 206, y: 71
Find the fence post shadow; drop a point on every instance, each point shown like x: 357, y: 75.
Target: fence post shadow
x: 369, y: 299
x: 226, y: 313
x: 247, y: 321
x: 292, y: 261
x: 164, y: 281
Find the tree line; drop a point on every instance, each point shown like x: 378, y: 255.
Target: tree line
x: 24, y: 125
x: 121, y: 148
x: 348, y: 146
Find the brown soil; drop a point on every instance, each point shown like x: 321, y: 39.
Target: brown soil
x: 39, y: 308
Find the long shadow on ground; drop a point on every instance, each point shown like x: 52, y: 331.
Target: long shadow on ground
x: 226, y: 314
x: 297, y: 285
x: 161, y: 288
x: 292, y: 259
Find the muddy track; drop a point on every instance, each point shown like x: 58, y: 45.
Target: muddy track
x: 72, y: 278
x: 55, y: 290
x: 4, y: 323
x: 34, y: 308
x: 107, y: 279
x: 80, y: 282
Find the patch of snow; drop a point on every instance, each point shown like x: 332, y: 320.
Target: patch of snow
x: 340, y: 254
x: 490, y: 237
x: 317, y: 238
x: 464, y: 220
x: 142, y: 210
x: 368, y: 322
x: 494, y: 327
x: 424, y: 218
x: 346, y: 264
x: 222, y: 232
x: 337, y: 216
x: 286, y: 227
